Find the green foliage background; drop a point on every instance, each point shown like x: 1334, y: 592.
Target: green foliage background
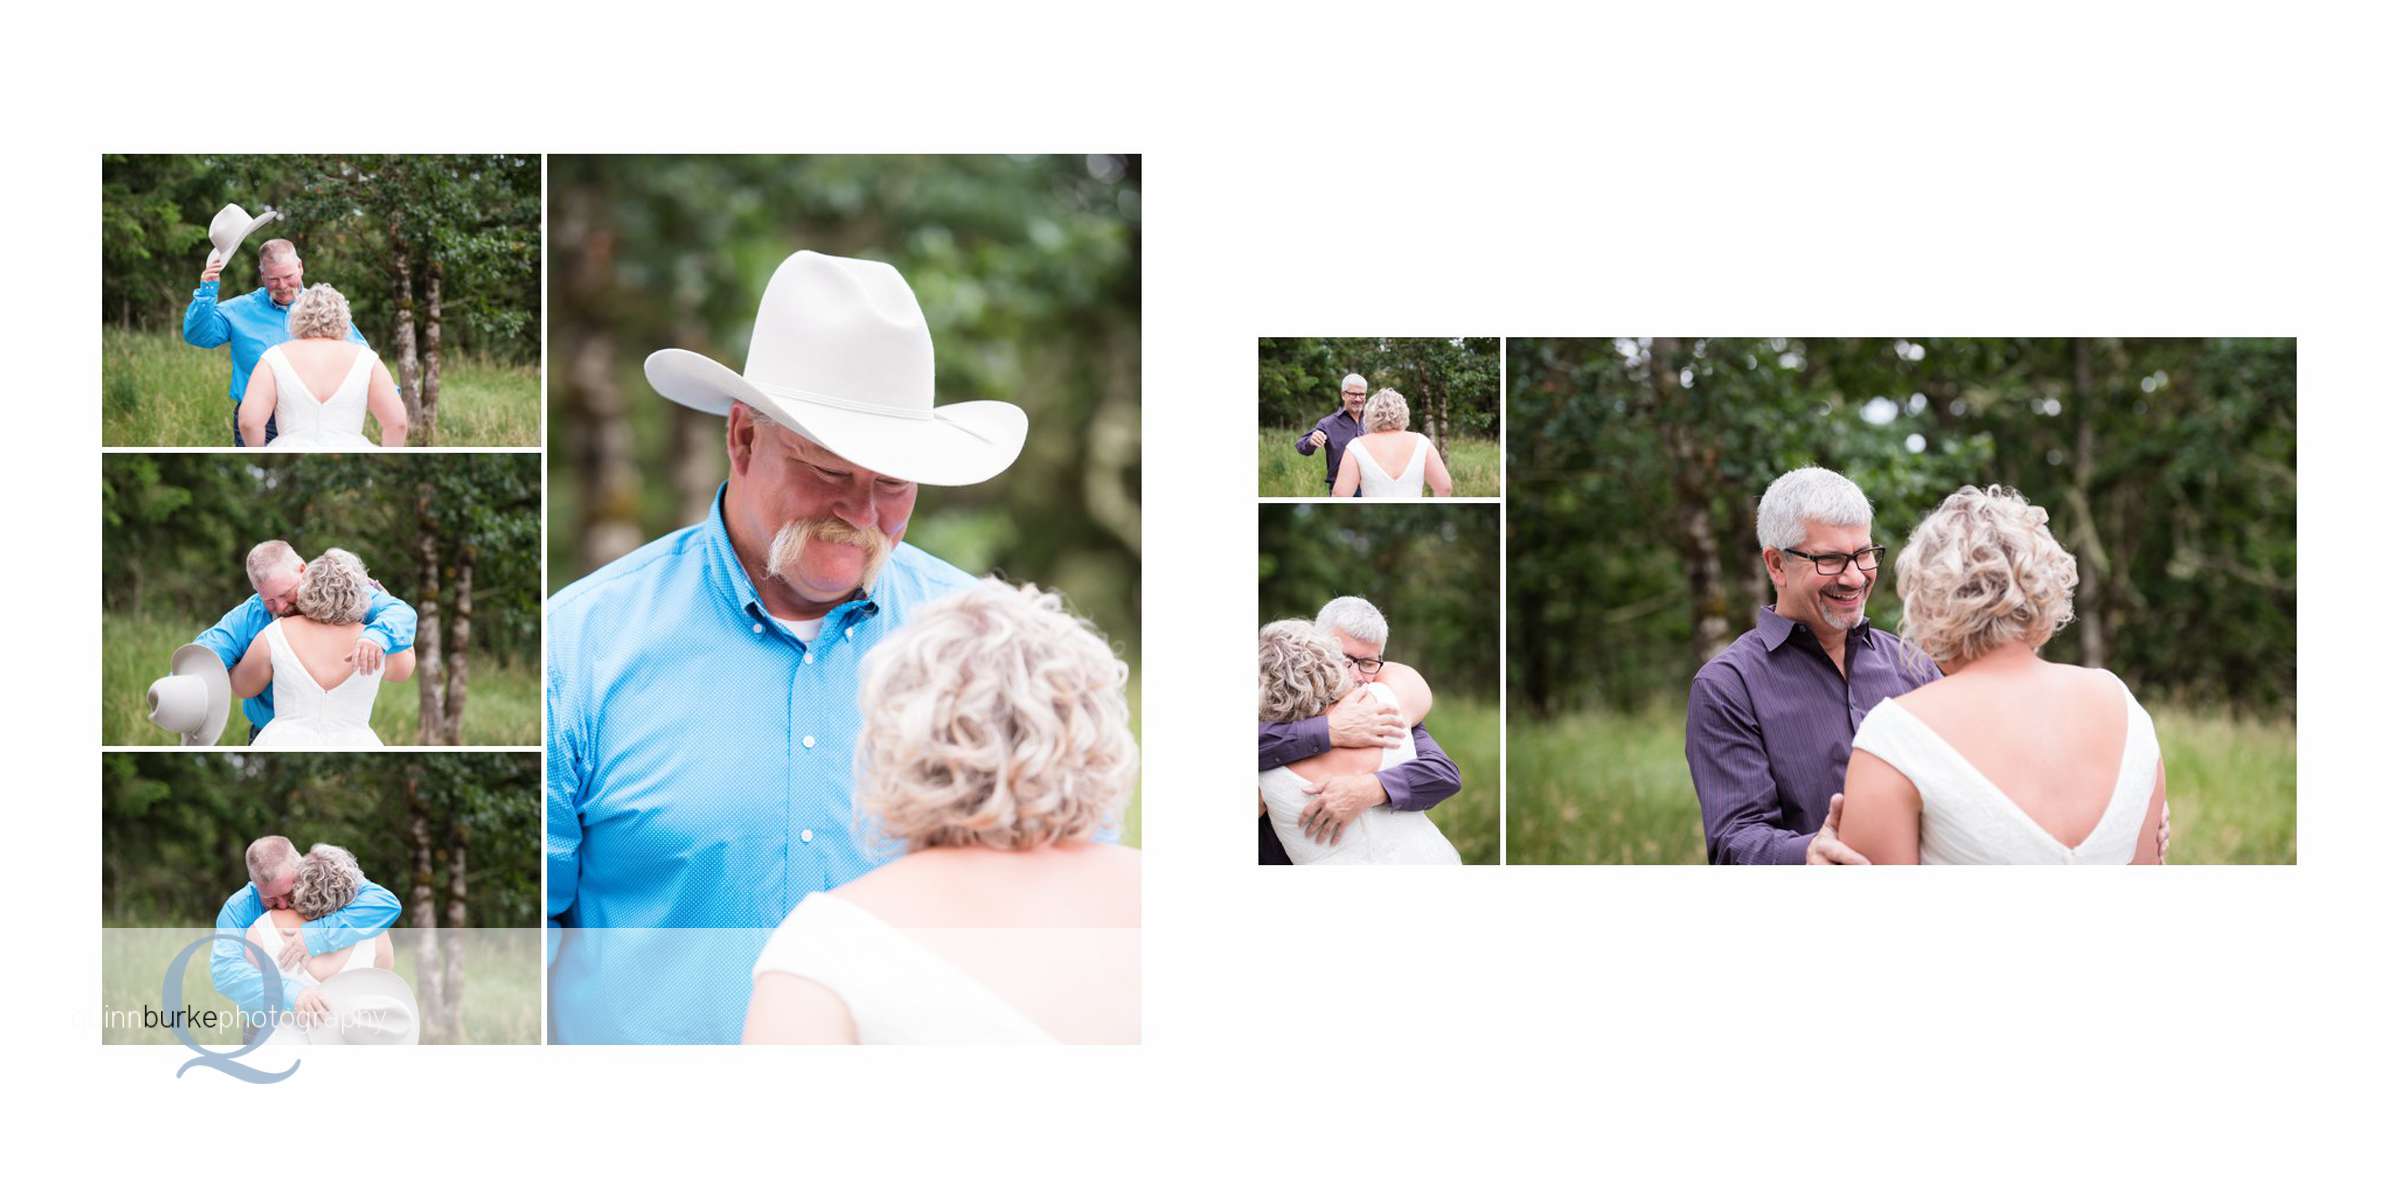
x: 173, y: 826
x: 1029, y: 272
x: 480, y: 213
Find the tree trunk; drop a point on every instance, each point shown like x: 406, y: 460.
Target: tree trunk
x: 462, y: 615
x: 426, y: 917
x: 432, y: 386
x: 1692, y: 458
x: 429, y: 623
x: 454, y: 941
x: 404, y: 327
x: 598, y: 435
x: 2093, y: 566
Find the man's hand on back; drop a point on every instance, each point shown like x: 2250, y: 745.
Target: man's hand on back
x: 1363, y: 720
x: 1826, y: 849
x: 310, y: 1007
x: 367, y: 656
x: 1338, y: 801
x: 294, y: 952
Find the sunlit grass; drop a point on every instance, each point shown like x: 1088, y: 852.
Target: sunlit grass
x: 158, y: 391
x: 1283, y: 471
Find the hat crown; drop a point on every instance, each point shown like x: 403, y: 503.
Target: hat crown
x: 844, y: 330
x: 179, y: 703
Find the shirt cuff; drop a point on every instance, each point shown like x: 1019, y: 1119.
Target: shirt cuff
x: 1395, y: 789
x: 205, y: 291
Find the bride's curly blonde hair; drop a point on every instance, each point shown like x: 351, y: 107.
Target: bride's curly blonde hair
x: 320, y: 312
x: 1981, y: 572
x: 993, y: 718
x: 1301, y: 671
x: 334, y: 590
x: 1386, y: 409
x: 329, y: 879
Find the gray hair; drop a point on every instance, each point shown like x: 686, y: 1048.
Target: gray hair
x: 267, y: 856
x: 265, y: 557
x: 1301, y: 672
x: 277, y: 250
x: 321, y: 311
x: 335, y: 589
x: 1808, y: 494
x: 1354, y: 377
x: 1354, y: 616
x: 329, y: 881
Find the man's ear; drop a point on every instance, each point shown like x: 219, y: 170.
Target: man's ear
x: 741, y: 436
x: 1774, y: 561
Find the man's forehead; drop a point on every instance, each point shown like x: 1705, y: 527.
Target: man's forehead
x: 1822, y: 536
x: 1357, y: 645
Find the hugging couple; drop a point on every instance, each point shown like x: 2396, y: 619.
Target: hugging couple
x: 1815, y: 738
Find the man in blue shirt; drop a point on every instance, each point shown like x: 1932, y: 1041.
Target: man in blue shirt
x: 701, y: 693
x: 274, y: 865
x: 1333, y: 433
x: 250, y: 322
x: 275, y: 571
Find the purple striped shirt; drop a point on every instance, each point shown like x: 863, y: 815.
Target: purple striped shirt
x: 1768, y: 730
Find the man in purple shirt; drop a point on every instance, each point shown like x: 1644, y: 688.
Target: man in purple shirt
x: 1359, y: 720
x: 1333, y: 433
x: 1768, y: 729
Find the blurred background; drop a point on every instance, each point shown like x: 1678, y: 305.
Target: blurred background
x: 453, y: 535
x: 437, y: 254
x: 1453, y: 391
x: 1434, y: 572
x: 454, y: 836
x: 2168, y: 467
x: 1029, y: 272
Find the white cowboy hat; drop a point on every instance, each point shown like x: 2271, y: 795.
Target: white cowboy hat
x: 367, y: 1007
x: 840, y: 355
x: 195, y: 697
x: 231, y: 224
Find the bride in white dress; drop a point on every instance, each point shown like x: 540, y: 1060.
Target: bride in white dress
x: 1301, y: 673
x: 328, y: 880
x: 322, y: 701
x: 1388, y: 460
x: 2007, y: 758
x: 996, y: 749
x: 319, y: 387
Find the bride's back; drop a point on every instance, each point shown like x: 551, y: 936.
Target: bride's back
x: 323, y: 648
x: 323, y: 364
x: 1053, y: 932
x: 2049, y: 736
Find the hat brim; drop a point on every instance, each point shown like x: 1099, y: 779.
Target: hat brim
x: 957, y: 444
x: 197, y: 660
x: 350, y: 989
x: 255, y: 222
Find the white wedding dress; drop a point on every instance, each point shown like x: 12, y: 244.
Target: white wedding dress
x: 1377, y: 835
x: 303, y: 422
x: 1373, y: 480
x: 311, y: 717
x: 898, y: 991
x: 1968, y: 820
x: 360, y: 957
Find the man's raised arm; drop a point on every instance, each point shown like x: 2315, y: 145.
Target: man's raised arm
x: 392, y: 622
x: 1727, y: 754
x: 370, y: 912
x: 203, y: 325
x: 1309, y: 439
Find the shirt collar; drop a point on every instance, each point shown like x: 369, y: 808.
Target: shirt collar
x: 1776, y: 629
x: 730, y: 580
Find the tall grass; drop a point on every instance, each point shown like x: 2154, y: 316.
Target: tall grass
x: 503, y: 701
x: 158, y: 391
x: 1614, y: 788
x: 1283, y: 471
x: 1469, y: 733
x: 502, y: 996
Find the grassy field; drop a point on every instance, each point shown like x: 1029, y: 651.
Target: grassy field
x: 1474, y: 466
x: 502, y: 995
x: 503, y: 702
x: 158, y: 391
x: 1613, y: 788
x: 1470, y: 735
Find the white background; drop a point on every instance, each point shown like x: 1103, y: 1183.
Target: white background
x: 1486, y: 168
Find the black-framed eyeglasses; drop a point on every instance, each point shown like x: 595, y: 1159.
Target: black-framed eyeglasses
x: 1832, y: 564
x: 1366, y: 666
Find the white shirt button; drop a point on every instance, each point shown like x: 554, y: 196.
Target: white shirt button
x: 849, y: 633
x: 758, y: 629
x: 807, y: 657
x: 808, y: 835
x: 809, y: 741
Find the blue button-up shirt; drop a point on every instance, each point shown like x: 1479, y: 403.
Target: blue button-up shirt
x: 390, y: 622
x: 251, y: 322
x: 698, y: 778
x: 237, y: 976
x: 1767, y: 731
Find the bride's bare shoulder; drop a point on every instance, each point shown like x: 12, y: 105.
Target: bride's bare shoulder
x: 1409, y: 687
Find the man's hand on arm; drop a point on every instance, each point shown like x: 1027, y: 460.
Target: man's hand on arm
x: 1362, y: 720
x: 1826, y: 848
x: 310, y: 1007
x: 367, y: 656
x: 1338, y: 801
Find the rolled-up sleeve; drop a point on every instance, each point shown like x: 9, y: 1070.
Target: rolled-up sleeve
x: 1728, y: 759
x: 1422, y: 782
